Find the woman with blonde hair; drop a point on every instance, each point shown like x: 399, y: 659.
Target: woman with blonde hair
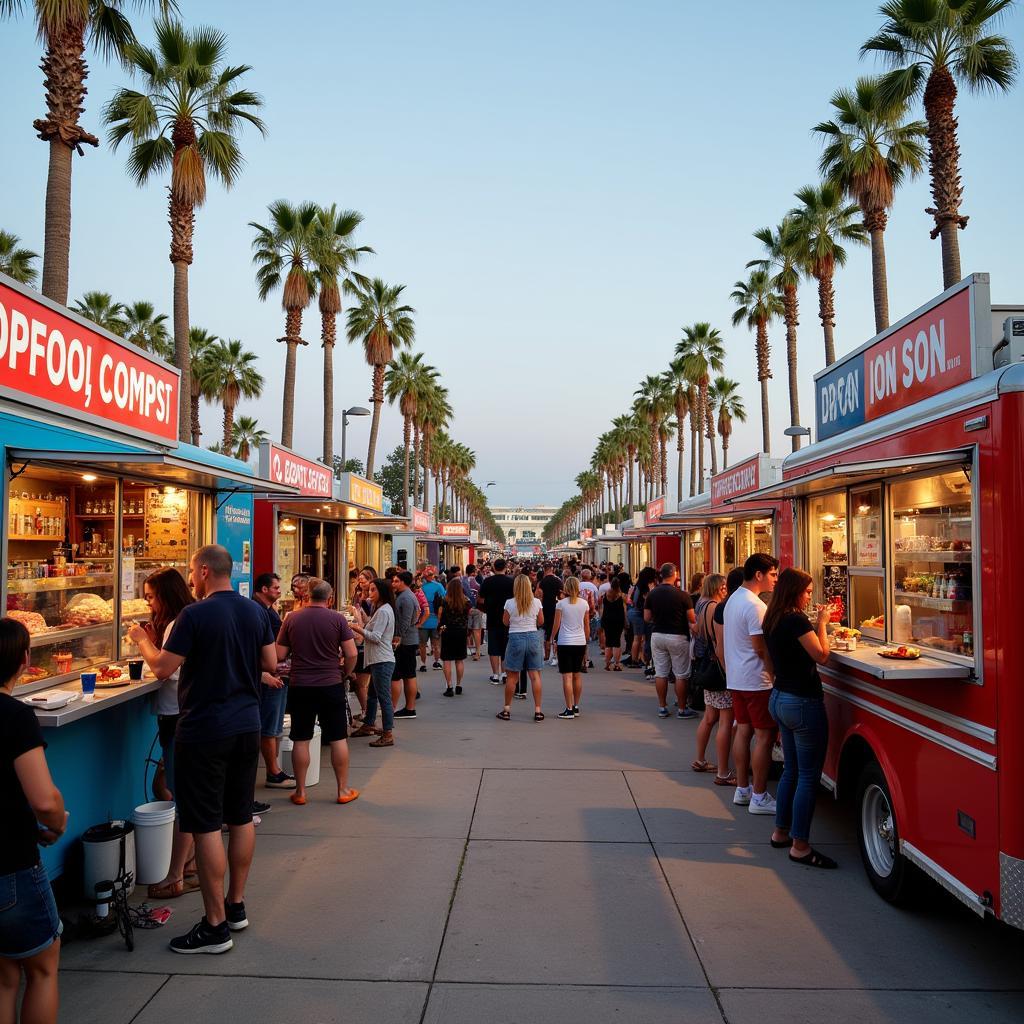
x: 523, y: 617
x: 717, y: 703
x: 453, y: 621
x: 571, y: 630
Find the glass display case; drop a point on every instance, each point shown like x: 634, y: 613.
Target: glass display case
x: 932, y: 577
x: 738, y: 541
x: 828, y: 560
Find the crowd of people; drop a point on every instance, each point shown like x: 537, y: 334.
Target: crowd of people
x: 738, y: 652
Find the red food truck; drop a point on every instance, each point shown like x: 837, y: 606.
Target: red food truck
x: 908, y: 513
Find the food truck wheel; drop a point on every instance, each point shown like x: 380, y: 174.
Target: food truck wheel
x: 879, y: 838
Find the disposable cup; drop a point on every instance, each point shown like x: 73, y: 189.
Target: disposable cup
x: 135, y: 668
x: 88, y: 685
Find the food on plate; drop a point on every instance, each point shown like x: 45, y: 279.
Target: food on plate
x: 846, y: 633
x: 904, y: 652
x: 87, y: 610
x: 32, y: 621
x: 109, y: 672
x: 31, y: 674
x: 878, y: 622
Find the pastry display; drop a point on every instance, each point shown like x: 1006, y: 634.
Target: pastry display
x: 87, y: 610
x: 32, y: 621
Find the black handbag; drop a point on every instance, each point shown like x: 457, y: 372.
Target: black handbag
x: 707, y: 672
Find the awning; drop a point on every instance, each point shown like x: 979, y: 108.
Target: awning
x: 311, y: 507
x: 698, y: 520
x: 840, y: 476
x: 660, y: 529
x: 154, y: 468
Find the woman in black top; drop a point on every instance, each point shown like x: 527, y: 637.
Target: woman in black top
x: 613, y: 622
x: 32, y: 812
x: 797, y: 648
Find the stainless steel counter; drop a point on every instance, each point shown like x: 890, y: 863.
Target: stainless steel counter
x: 104, y: 700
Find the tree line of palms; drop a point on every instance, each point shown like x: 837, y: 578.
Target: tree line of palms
x: 871, y: 146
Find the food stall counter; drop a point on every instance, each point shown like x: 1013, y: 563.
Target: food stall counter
x: 103, y: 700
x: 867, y: 659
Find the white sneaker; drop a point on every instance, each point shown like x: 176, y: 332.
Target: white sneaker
x: 553, y: 663
x: 495, y: 680
x: 741, y: 796
x: 761, y: 803
x: 503, y: 677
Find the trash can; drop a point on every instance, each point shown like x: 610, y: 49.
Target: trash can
x: 313, y: 775
x: 107, y: 849
x: 154, y: 836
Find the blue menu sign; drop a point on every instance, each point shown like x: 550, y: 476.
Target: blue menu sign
x: 839, y: 396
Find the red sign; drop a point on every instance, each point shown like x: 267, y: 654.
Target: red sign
x: 736, y: 481
x: 655, y: 510
x: 922, y: 358
x: 420, y: 521
x: 285, y: 467
x: 78, y: 370
x: 453, y: 529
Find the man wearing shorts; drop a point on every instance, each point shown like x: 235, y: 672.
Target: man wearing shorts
x: 322, y: 648
x: 750, y: 682
x: 669, y: 610
x: 549, y: 590
x: 408, y: 620
x: 222, y: 644
x: 494, y: 592
x: 434, y: 593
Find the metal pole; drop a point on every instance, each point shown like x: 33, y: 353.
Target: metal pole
x: 344, y: 426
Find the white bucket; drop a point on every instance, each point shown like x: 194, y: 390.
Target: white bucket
x: 104, y: 847
x: 313, y: 775
x: 154, y: 835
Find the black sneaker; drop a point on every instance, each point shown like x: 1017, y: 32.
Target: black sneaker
x: 448, y: 692
x: 204, y: 938
x: 282, y: 780
x: 458, y: 691
x: 259, y: 807
x: 567, y: 713
x: 576, y: 710
x: 437, y: 664
x: 405, y: 713
x: 423, y: 668
x: 235, y: 914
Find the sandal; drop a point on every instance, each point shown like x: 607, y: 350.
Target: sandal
x: 616, y: 668
x: 725, y: 780
x: 538, y: 716
x: 503, y: 714
x: 383, y: 742
x: 365, y: 730
x: 352, y: 795
x: 781, y: 844
x: 703, y: 766
x: 172, y: 890
x: 814, y: 859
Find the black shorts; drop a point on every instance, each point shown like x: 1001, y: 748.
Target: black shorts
x: 328, y: 703
x: 497, y: 640
x: 549, y: 621
x: 405, y: 662
x: 214, y: 782
x: 571, y: 659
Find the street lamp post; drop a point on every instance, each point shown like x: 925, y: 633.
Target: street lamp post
x: 356, y: 410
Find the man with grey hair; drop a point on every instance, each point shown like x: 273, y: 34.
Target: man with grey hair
x: 322, y: 649
x: 222, y: 644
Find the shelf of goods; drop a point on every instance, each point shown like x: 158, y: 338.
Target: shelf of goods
x: 53, y: 584
x: 58, y: 635
x: 941, y: 604
x: 933, y: 556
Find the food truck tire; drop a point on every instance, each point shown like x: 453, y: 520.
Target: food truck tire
x: 889, y: 872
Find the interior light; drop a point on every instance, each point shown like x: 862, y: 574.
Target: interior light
x: 829, y: 517
x: 170, y: 490
x: 287, y: 526
x: 863, y: 509
x: 88, y: 477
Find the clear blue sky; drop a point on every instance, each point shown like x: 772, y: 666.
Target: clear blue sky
x: 561, y: 186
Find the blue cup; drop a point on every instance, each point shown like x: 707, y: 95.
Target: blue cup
x: 88, y: 683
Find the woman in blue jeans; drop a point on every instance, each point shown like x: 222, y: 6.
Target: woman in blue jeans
x: 797, y: 704
x: 379, y: 660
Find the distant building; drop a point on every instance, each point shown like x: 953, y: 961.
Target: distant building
x: 523, y: 526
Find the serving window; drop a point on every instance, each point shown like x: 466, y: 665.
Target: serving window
x: 738, y: 541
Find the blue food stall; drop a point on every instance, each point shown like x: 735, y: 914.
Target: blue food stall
x: 97, y: 494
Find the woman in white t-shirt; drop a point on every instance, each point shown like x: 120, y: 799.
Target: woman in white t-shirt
x: 166, y: 593
x: 571, y: 630
x: 523, y: 617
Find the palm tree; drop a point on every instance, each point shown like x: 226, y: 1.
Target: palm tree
x: 200, y: 343
x: 757, y: 304
x: 930, y: 45
x: 383, y: 324
x: 64, y: 26
x: 724, y: 394
x: 231, y: 374
x: 16, y: 262
x: 679, y: 381
x: 433, y: 413
x: 406, y: 381
x: 102, y: 310
x: 870, y: 150
x: 333, y: 256
x: 653, y: 403
x: 185, y: 120
x: 630, y: 433
x: 782, y: 261
x: 144, y: 327
x: 820, y: 225
x: 283, y: 254
x: 246, y: 435
x: 702, y: 352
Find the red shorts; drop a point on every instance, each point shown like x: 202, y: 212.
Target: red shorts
x: 750, y: 707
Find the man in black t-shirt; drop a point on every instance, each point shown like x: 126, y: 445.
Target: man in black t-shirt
x: 222, y: 644
x: 669, y: 610
x: 549, y: 590
x: 494, y: 592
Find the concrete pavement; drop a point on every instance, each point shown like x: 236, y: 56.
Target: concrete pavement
x: 564, y: 871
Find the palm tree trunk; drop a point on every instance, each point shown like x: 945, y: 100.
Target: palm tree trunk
x: 65, y: 71
x: 875, y: 221
x: 406, y: 432
x: 827, y: 313
x: 710, y: 424
x: 182, y: 219
x: 292, y: 339
x: 229, y: 422
x: 328, y: 332
x: 764, y: 372
x: 791, y: 312
x: 680, y: 445
x: 725, y: 451
x: 632, y: 457
x: 766, y: 434
x: 426, y: 481
x: 664, y: 465
x: 944, y: 167
x: 415, y: 465
x: 194, y: 417
x: 701, y: 406
x: 377, y: 398
x: 693, y: 451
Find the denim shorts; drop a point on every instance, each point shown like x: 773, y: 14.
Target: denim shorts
x: 29, y: 922
x: 525, y: 652
x: 272, y: 705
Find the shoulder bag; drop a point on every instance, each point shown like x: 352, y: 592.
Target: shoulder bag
x: 707, y: 673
